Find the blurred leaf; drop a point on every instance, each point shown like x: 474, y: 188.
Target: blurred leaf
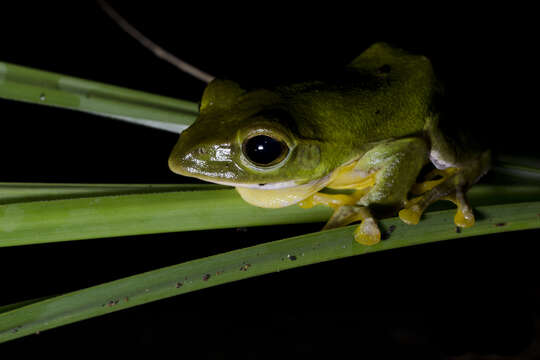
x: 46, y: 88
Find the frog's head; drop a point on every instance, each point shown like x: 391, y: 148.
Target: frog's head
x: 246, y: 139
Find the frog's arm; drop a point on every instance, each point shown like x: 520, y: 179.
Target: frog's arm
x: 385, y: 175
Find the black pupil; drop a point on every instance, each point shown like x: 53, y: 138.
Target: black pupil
x: 263, y: 149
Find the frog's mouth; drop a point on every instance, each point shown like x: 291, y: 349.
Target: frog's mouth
x: 222, y: 178
x: 261, y: 186
x: 205, y: 170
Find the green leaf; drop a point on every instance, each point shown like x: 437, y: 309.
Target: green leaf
x: 117, y: 215
x: 14, y: 192
x: 252, y: 261
x: 214, y: 208
x: 46, y: 88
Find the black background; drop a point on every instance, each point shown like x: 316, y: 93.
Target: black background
x: 477, y: 295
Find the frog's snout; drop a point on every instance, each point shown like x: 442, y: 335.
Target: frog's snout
x: 175, y: 161
x: 181, y: 158
x: 201, y: 158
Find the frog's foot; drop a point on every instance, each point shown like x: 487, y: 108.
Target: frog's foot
x: 464, y: 216
x: 452, y: 186
x: 367, y: 233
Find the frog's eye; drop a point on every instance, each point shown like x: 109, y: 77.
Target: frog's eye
x: 263, y: 150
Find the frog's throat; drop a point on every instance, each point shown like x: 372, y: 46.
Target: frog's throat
x: 281, y: 197
x: 344, y: 177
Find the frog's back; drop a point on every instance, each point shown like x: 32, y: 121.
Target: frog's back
x: 402, y: 98
x: 383, y: 93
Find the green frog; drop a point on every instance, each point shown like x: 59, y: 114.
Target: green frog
x: 356, y: 142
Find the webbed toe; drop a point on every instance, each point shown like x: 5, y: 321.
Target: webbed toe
x: 368, y: 232
x: 464, y: 215
x: 452, y: 186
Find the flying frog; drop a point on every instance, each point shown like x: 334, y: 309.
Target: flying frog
x: 356, y: 143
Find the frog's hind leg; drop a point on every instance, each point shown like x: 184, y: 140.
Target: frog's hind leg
x: 452, y: 186
x: 460, y: 162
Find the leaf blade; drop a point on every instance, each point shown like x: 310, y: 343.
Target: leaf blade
x: 46, y: 88
x: 121, y: 214
x: 252, y: 261
x: 17, y: 192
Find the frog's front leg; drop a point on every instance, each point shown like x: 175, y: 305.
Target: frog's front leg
x: 347, y: 212
x: 384, y: 176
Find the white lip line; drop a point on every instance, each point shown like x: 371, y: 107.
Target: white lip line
x: 267, y: 186
x: 274, y: 186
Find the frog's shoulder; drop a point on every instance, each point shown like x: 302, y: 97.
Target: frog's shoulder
x: 383, y: 58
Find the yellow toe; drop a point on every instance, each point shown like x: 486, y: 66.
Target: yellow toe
x: 464, y: 219
x: 411, y: 215
x: 367, y: 233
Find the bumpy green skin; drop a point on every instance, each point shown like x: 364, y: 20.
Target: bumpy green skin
x: 383, y: 94
x: 399, y: 162
x: 378, y: 110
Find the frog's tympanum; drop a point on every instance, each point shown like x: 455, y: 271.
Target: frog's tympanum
x: 356, y: 143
